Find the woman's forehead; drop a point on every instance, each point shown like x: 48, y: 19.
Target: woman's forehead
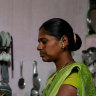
x: 42, y: 31
x: 43, y: 35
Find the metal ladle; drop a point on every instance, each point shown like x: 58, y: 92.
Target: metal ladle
x: 36, y: 81
x: 21, y: 82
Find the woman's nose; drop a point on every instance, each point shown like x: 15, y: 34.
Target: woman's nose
x: 40, y: 46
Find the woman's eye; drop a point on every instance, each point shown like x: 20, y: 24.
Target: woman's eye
x: 44, y: 42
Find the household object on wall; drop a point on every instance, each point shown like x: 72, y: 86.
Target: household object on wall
x: 89, y: 58
x: 6, y: 44
x: 91, y: 17
x: 36, y: 81
x: 90, y: 39
x: 21, y: 82
x: 5, y: 40
x: 6, y: 56
x: 5, y: 88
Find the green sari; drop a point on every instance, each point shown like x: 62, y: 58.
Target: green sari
x: 85, y: 83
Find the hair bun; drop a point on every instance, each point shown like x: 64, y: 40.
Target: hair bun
x: 78, y: 42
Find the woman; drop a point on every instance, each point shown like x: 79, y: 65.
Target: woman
x: 56, y: 41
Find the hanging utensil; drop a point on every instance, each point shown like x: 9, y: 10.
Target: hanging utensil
x: 4, y: 86
x: 36, y: 81
x: 4, y: 71
x: 5, y: 89
x: 21, y: 82
x: 12, y: 57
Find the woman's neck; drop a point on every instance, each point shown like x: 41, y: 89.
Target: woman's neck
x: 64, y: 60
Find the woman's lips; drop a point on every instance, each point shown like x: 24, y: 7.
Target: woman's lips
x: 42, y: 54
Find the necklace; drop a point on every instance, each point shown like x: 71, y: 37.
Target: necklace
x: 66, y: 64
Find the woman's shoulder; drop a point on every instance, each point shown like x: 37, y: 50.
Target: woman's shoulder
x: 71, y: 79
x: 79, y: 65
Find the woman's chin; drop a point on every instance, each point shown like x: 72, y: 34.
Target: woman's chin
x: 46, y: 60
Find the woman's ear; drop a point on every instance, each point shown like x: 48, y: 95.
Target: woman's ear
x: 64, y: 41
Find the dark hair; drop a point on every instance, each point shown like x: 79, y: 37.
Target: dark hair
x: 58, y: 27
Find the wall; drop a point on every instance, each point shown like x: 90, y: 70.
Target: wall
x: 22, y: 19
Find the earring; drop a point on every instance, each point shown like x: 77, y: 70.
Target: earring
x: 62, y: 44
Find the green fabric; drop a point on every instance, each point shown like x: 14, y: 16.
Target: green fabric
x: 85, y: 82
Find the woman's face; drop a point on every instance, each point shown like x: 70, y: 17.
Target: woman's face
x: 50, y: 48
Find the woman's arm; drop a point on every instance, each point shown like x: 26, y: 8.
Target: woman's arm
x: 67, y: 90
